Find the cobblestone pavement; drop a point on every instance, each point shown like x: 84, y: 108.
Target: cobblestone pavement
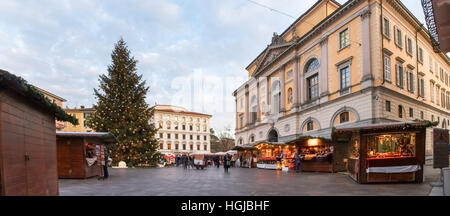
x: 238, y: 182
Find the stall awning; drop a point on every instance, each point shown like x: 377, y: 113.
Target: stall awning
x: 386, y: 126
x: 103, y: 136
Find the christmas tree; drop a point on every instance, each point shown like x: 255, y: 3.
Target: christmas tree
x: 121, y: 110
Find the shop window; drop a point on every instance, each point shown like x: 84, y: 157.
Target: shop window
x: 344, y: 117
x: 391, y: 146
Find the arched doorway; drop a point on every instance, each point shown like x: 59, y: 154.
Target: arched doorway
x: 273, y: 136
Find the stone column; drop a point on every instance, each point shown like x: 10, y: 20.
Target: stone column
x: 302, y: 85
x: 258, y: 106
x: 323, y: 70
x: 237, y: 113
x: 282, y: 91
x: 247, y: 113
x: 296, y: 92
x: 366, y: 79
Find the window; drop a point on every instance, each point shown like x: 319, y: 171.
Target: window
x: 176, y: 146
x: 421, y: 87
x: 345, y: 79
x: 290, y: 96
x: 443, y: 98
x: 176, y: 127
x: 398, y: 37
x: 388, y: 106
x: 254, y: 109
x: 176, y: 136
x: 240, y: 141
x: 344, y: 117
x: 184, y: 146
x: 204, y: 138
x: 252, y: 139
x: 161, y: 145
x: 160, y: 125
x: 313, y: 87
x: 420, y: 55
x: 184, y: 127
x: 410, y: 81
x: 191, y: 147
x: 310, y: 126
x: 198, y: 137
x: 344, y: 39
x: 168, y: 136
x: 386, y: 28
x: 387, y: 68
x: 312, y: 65
x: 437, y: 95
x: 161, y: 135
x: 191, y: 127
x: 411, y: 112
x: 168, y: 125
x: 241, y: 120
x: 409, y: 48
x: 276, y: 97
x: 432, y: 92
x: 184, y: 136
x: 447, y: 99
x: 205, y: 147
x: 400, y: 111
x: 85, y: 123
x: 431, y: 64
x: 198, y: 147
x: 191, y: 137
x: 446, y: 79
x: 399, y: 75
x: 169, y: 146
x: 421, y: 115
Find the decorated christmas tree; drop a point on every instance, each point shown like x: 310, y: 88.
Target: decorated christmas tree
x: 121, y: 110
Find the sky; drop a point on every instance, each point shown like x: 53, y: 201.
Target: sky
x: 192, y: 53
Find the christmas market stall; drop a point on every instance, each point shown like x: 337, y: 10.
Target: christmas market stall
x: 28, y: 164
x: 316, y: 154
x: 80, y: 154
x: 246, y: 154
x: 385, y: 152
x: 275, y: 156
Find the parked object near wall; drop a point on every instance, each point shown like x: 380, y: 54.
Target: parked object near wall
x: 80, y: 153
x: 27, y: 139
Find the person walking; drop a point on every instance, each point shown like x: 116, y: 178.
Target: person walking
x: 226, y: 162
x: 184, y: 161
x: 297, y: 162
x: 105, y: 167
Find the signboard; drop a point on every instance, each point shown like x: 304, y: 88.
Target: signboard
x: 440, y: 148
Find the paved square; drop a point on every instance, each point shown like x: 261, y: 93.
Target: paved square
x: 238, y: 182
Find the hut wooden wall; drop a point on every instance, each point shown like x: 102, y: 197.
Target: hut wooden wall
x: 25, y: 129
x: 71, y: 158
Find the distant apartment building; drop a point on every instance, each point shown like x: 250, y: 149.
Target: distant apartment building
x: 181, y: 131
x: 58, y: 101
x: 359, y: 63
x: 81, y: 114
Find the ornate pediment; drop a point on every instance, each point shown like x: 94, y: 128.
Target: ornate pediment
x: 273, y: 51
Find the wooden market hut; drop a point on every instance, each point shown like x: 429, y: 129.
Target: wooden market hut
x: 27, y: 139
x: 385, y: 152
x: 245, y: 152
x: 78, y: 153
x: 319, y: 154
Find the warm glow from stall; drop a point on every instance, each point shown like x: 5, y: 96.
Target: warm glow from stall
x: 313, y: 142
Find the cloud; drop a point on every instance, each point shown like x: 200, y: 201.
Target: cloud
x: 191, y: 53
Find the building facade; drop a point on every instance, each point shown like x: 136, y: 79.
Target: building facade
x: 81, y: 114
x: 181, y: 131
x: 363, y: 62
x: 56, y: 100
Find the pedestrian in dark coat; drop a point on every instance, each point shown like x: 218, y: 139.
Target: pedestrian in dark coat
x: 297, y: 162
x: 226, y: 162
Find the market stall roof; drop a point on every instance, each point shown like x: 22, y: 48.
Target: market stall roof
x: 104, y: 136
x: 385, y: 126
x: 244, y: 147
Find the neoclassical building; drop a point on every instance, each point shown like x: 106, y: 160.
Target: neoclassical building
x: 363, y: 62
x: 181, y: 131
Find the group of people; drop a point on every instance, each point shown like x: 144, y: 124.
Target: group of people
x: 187, y: 161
